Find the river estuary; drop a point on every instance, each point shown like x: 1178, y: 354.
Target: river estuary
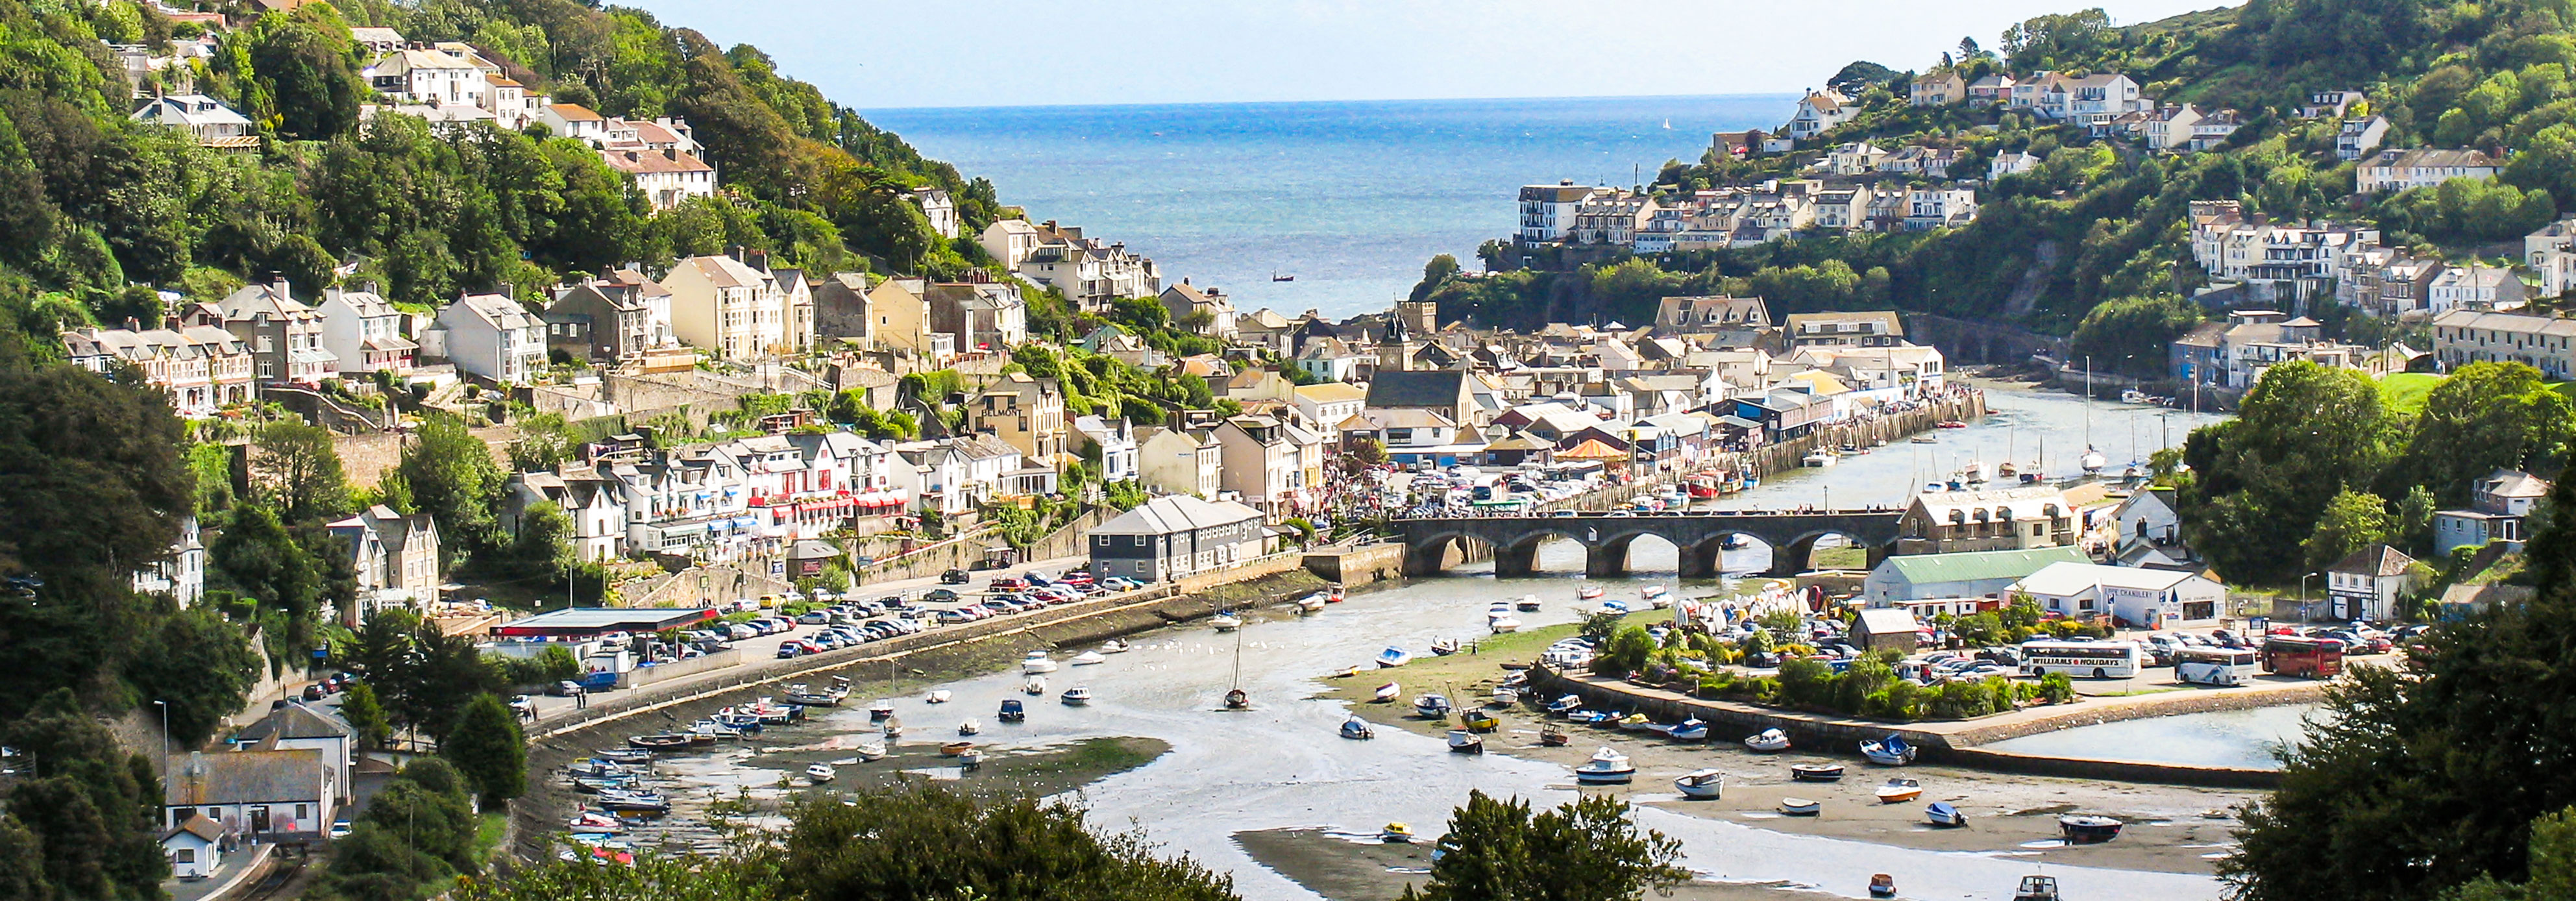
x: 1280, y: 764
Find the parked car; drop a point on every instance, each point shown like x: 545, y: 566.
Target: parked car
x: 1005, y: 583
x: 954, y: 577
x: 790, y: 648
x: 313, y: 692
x: 523, y: 705
x: 941, y: 595
x: 564, y: 689
x: 953, y: 617
x: 339, y: 829
x: 814, y: 618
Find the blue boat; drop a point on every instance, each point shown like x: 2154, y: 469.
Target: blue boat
x: 1940, y: 813
x: 1690, y: 730
x: 1013, y: 711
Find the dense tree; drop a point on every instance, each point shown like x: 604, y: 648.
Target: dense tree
x: 366, y: 715
x: 928, y: 842
x: 2551, y: 872
x: 452, y: 477
x: 297, y: 469
x: 256, y: 557
x: 2351, y: 521
x: 1858, y: 77
x: 1585, y: 850
x: 90, y: 806
x: 650, y: 878
x: 198, y: 663
x: 487, y: 749
x: 2305, y: 434
x: 2484, y: 417
x: 303, y: 68
x: 2129, y: 335
x: 1441, y: 267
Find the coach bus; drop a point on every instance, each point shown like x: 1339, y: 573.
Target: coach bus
x: 2216, y: 666
x: 2098, y: 659
x: 2315, y: 658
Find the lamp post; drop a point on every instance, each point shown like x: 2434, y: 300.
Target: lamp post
x: 165, y: 738
x: 2303, y: 595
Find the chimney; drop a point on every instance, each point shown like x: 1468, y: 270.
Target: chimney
x: 1049, y: 226
x: 671, y: 153
x: 735, y: 252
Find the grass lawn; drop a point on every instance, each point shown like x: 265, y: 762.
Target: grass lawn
x: 2404, y: 392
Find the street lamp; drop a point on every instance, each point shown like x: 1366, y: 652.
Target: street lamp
x: 2303, y: 595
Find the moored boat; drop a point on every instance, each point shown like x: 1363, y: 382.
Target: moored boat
x: 1013, y: 711
x: 1800, y: 807
x: 1313, y: 603
x: 1549, y: 736
x: 1113, y: 646
x: 1882, y: 885
x: 878, y: 711
x: 1503, y: 625
x: 1075, y: 696
x: 1652, y: 592
x: 1889, y: 751
x: 1226, y: 621
x: 870, y: 751
x: 893, y: 728
x: 1037, y: 662
x: 1689, y: 730
x: 1464, y: 742
x: 1607, y: 767
x: 2086, y: 829
x: 1588, y: 592
x: 1528, y: 604
x: 1700, y: 784
x: 955, y: 748
x: 1357, y: 728
x: 1396, y: 834
x: 1940, y: 813
x: 1432, y: 706
x: 1767, y: 741
x: 662, y: 742
x: 623, y: 755
x: 1479, y: 721
x: 1394, y: 657
x: 1505, y: 696
x: 1898, y: 791
x: 1816, y: 772
x: 1387, y: 692
x: 937, y: 696
x: 2036, y: 888
x: 1237, y: 699
x: 1036, y: 685
x: 820, y: 773
x: 1565, y: 705
x: 970, y: 727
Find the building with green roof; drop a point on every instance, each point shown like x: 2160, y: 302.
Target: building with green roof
x: 1920, y: 577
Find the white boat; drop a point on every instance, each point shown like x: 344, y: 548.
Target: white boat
x: 937, y: 696
x: 1462, y: 741
x: 970, y: 727
x: 1357, y: 728
x: 1432, y: 706
x: 1392, y: 657
x: 1689, y: 730
x: 1701, y: 784
x: 1498, y: 608
x: 1800, y: 807
x: 1503, y: 625
x: 2092, y: 461
x: 1651, y: 592
x: 1767, y: 741
x: 1113, y: 646
x: 1443, y: 647
x: 1314, y: 603
x: 893, y: 729
x: 1588, y: 592
x: 1506, y: 696
x: 880, y: 710
x: 1037, y: 662
x: 1076, y: 696
x: 820, y: 773
x: 1817, y: 459
x: 1528, y: 604
x: 1226, y: 622
x: 870, y: 751
x: 1974, y: 473
x: 1940, y: 813
x: 1036, y: 685
x: 1898, y: 791
x: 1889, y: 751
x: 1388, y: 692
x: 1088, y: 658
x: 1607, y: 767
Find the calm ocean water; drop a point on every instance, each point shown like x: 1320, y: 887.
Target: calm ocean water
x: 1350, y: 197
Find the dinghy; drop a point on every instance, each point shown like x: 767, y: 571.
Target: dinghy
x: 1226, y: 621
x: 955, y: 748
x: 1313, y: 603
x: 1767, y: 741
x: 1503, y: 625
x: 1394, y: 657
x: 1357, y: 728
x: 1443, y: 647
x: 1816, y: 772
x: 1113, y: 646
x: 1237, y: 699
x: 1432, y: 706
x: 1889, y: 751
x: 970, y: 727
x: 937, y: 696
x: 1549, y: 736
x: 893, y: 728
x: 2085, y: 829
x: 1690, y: 730
x: 1898, y: 791
x: 1388, y: 692
x: 1528, y: 603
x: 1588, y: 592
x: 1607, y: 767
x: 1076, y: 696
x: 1464, y: 742
x: 1700, y: 784
x: 1800, y: 807
x: 1088, y: 658
x: 1036, y: 685
x: 1037, y: 662
x: 1940, y: 813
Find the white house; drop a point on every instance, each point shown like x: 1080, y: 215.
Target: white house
x: 1547, y: 211
x: 2498, y: 506
x: 262, y: 793
x: 194, y: 848
x: 427, y: 77
x: 2369, y: 584
x: 1116, y: 440
x: 214, y: 124
x: 365, y: 332
x: 491, y: 336
x: 2359, y: 137
x: 1817, y: 113
x: 2475, y: 288
x: 2398, y: 170
x: 667, y: 178
x: 2139, y: 597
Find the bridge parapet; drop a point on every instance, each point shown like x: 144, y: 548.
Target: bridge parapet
x: 1606, y: 537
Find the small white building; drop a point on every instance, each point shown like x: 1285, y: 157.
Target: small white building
x: 194, y: 848
x: 2369, y: 584
x: 1116, y: 440
x: 365, y: 332
x: 2498, y: 506
x: 2138, y: 597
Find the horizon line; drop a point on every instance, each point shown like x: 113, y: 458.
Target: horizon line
x: 1032, y: 106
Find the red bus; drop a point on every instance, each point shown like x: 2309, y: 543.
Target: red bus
x: 2315, y: 658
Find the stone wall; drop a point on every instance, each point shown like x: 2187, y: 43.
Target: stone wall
x: 700, y: 586
x: 647, y: 675
x: 1357, y: 565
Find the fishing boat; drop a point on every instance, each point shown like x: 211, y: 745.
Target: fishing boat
x: 634, y: 802
x: 1113, y: 646
x: 1432, y: 706
x: 1357, y: 728
x: 820, y: 773
x: 937, y: 696
x: 1767, y: 741
x: 1940, y: 813
x: 1226, y: 621
x: 1394, y: 657
x: 1817, y: 459
x: 1528, y: 604
x: 1889, y: 751
x: 623, y: 755
x: 1036, y: 686
x: 2086, y: 829
x: 1898, y: 791
x: 2036, y: 888
x: 1396, y: 834
x: 878, y: 711
x: 1882, y: 885
x: 1701, y: 784
x: 1037, y: 662
x: 1013, y: 711
x: 1800, y: 807
x: 1503, y: 625
x: 1564, y: 705
x: 1462, y: 741
x: 1588, y: 592
x: 803, y: 697
x: 1075, y: 696
x: 1816, y: 772
x: 955, y: 748
x: 1504, y: 696
x: 970, y: 727
x: 662, y: 742
x: 1689, y: 730
x: 1607, y: 767
x: 1313, y: 603
x: 1237, y: 699
x: 1479, y: 722
x: 1088, y: 658
x: 1387, y: 692
x: 870, y: 751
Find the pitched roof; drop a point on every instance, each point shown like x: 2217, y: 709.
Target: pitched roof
x: 1436, y: 388
x: 1176, y: 513
x: 2062, y: 579
x: 1974, y: 566
x: 297, y: 721
x: 1887, y: 621
x: 2375, y: 560
x: 1329, y: 392
x: 1592, y: 449
x: 246, y: 777
x: 198, y: 826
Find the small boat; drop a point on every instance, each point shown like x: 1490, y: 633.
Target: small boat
x: 2036, y: 888
x: 1701, y: 784
x: 1396, y: 834
x: 1503, y: 625
x: 970, y: 727
x: 1480, y: 722
x: 1594, y: 717
x: 1924, y: 439
x: 623, y: 755
x: 1940, y: 813
x: 1357, y: 728
x: 2092, y: 461
x: 663, y: 742
x: 1313, y: 603
x: 1898, y: 791
x: 1800, y: 807
x: 2085, y: 829
x: 1607, y: 767
x: 1432, y: 706
x: 1504, y: 696
x: 1037, y: 662
x: 1387, y: 692
x: 1442, y: 647
x: 1394, y: 657
x: 1013, y: 711
x: 870, y: 751
x: 1075, y: 696
x: 1651, y: 592
x: 1817, y: 460
x: 820, y: 773
x: 1462, y: 741
x: 1346, y: 672
x: 1613, y: 607
x: 1588, y: 592
x: 878, y: 711
x: 1549, y: 736
x: 970, y: 759
x: 587, y: 821
x: 955, y: 748
x: 1528, y: 604
x: 1036, y: 685
x: 1335, y: 597
x: 1882, y: 885
x: 1637, y: 722
x: 893, y: 729
x: 1689, y: 730
x: 938, y: 696
x: 1816, y: 772
x: 1113, y: 646
x: 1226, y: 621
x: 1951, y: 424
x: 1767, y: 741
x: 1889, y: 751
x: 1237, y: 699
x: 800, y: 696
x: 1564, y: 705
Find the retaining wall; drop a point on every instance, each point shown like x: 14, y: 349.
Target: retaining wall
x: 660, y: 672
x: 1360, y: 565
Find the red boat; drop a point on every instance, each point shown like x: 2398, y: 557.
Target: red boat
x: 1951, y: 424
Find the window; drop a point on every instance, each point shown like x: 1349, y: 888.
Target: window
x: 184, y: 855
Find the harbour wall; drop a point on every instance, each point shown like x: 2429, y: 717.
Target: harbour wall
x: 1785, y: 456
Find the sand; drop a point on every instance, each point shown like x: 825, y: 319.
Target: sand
x: 1356, y: 868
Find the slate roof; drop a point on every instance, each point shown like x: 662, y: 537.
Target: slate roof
x: 1437, y: 388
x: 1176, y: 513
x: 2375, y: 560
x: 295, y: 720
x: 246, y: 777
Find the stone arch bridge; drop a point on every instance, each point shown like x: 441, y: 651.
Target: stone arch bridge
x: 1606, y: 537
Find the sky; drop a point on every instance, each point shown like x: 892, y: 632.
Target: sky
x: 871, y: 54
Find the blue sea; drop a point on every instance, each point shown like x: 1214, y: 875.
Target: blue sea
x: 1351, y: 198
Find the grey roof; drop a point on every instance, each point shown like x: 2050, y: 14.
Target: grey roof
x: 295, y: 720
x: 1886, y: 621
x: 2376, y: 560
x: 246, y: 777
x: 1436, y: 388
x: 1176, y: 513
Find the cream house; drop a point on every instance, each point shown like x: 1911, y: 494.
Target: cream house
x: 738, y: 307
